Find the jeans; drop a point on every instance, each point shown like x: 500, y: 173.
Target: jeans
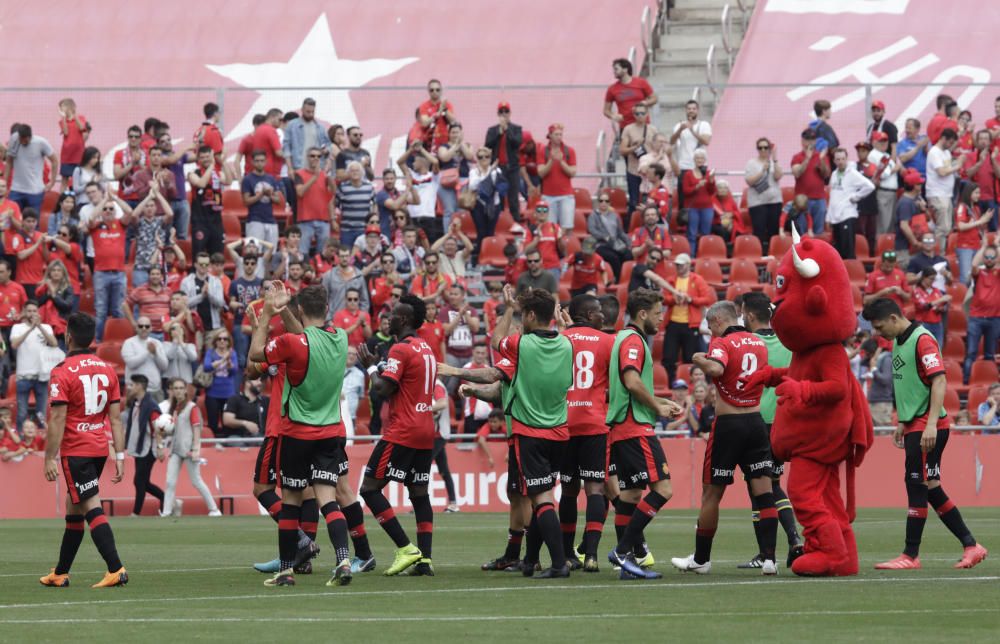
x: 937, y: 330
x: 513, y: 175
x: 348, y: 237
x: 143, y: 486
x: 318, y: 231
x: 182, y: 217
x: 765, y: 218
x: 139, y: 277
x: 27, y: 200
x: 241, y: 342
x: 109, y: 292
x: 634, y: 182
x: 194, y: 473
x: 699, y: 223
x: 987, y: 329
x: 449, y: 204
x: 263, y: 232
x: 24, y: 387
x: 486, y: 223
x: 817, y: 210
x: 986, y: 206
x: 561, y: 210
x: 965, y: 256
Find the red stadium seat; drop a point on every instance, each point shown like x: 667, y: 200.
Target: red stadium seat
x: 861, y: 246
x: 491, y: 253
x: 952, y: 403
x: 564, y: 295
x: 232, y: 202
x: 710, y: 270
x: 48, y: 204
x: 858, y: 298
x: 954, y: 347
x: 736, y: 290
x: 977, y: 396
x: 984, y: 372
x: 572, y: 245
x: 87, y: 302
x: 684, y: 372
x: 112, y: 352
x: 744, y: 271
x: 779, y: 245
x: 504, y: 222
x: 626, y: 275
x: 680, y: 245
x: 769, y: 291
x: 747, y: 246
x: 231, y: 227
x: 579, y: 222
x: 658, y: 348
x: 885, y: 242
x: 956, y: 320
x: 957, y: 291
x: 468, y: 225
x: 117, y: 330
x: 185, y: 246
x: 661, y: 380
x: 619, y: 199
x: 856, y: 272
x: 712, y: 246
x: 634, y: 221
x: 953, y: 373
x: 583, y: 199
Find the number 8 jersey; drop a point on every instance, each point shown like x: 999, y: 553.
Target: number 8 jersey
x: 741, y: 353
x: 86, y: 385
x: 587, y: 398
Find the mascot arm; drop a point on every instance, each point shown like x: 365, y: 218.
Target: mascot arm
x: 831, y: 387
x: 766, y: 376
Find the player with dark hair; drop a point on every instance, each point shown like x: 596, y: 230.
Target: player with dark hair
x: 586, y: 455
x: 918, y: 385
x: 403, y: 454
x: 632, y: 412
x: 757, y: 319
x: 738, y: 436
x: 311, y: 447
x: 84, y: 409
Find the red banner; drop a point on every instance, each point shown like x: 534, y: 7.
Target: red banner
x: 970, y: 475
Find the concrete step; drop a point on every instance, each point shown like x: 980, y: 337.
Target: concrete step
x: 703, y: 5
x: 686, y: 42
x: 695, y: 27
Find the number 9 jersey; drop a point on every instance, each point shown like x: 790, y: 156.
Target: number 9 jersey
x: 587, y: 398
x: 741, y: 353
x: 86, y: 385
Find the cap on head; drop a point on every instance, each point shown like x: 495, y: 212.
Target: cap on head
x: 879, y: 136
x: 878, y: 105
x: 503, y: 105
x: 682, y: 258
x: 588, y: 245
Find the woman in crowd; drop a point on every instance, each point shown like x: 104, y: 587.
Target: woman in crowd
x: 605, y: 226
x: 453, y: 157
x: 181, y: 354
x: 64, y: 213
x: 88, y: 171
x: 699, y: 189
x: 56, y: 299
x: 220, y: 361
x: 971, y: 226
x: 185, y: 448
x: 762, y: 175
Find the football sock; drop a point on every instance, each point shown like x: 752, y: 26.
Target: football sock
x: 356, y: 528
x: 514, y: 538
x: 948, y: 512
x: 596, y: 513
x: 703, y: 544
x: 754, y: 513
x: 382, y: 511
x: 639, y: 549
x: 288, y: 534
x: 424, y: 514
x: 532, y: 541
x: 786, y: 514
x: 916, y: 516
x: 336, y: 527
x: 645, y: 511
x: 72, y: 538
x: 768, y: 523
x: 548, y: 526
x: 104, y: 539
x: 623, y: 513
x: 310, y: 518
x: 567, y: 519
x: 271, y: 502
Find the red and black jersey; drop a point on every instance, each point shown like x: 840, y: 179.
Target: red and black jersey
x: 87, y: 385
x: 412, y: 366
x: 741, y: 353
x: 587, y: 398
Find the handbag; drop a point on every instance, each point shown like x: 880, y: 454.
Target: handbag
x: 202, y: 378
x: 449, y: 177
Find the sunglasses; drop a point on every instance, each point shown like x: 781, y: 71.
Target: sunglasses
x: 534, y: 261
x: 639, y: 113
x: 134, y: 136
x: 143, y: 326
x: 482, y: 156
x: 396, y: 295
x: 401, y: 218
x: 989, y: 258
x: 603, y: 201
x: 63, y: 234
x: 314, y: 156
x: 109, y: 209
x: 503, y: 111
x: 353, y: 299
x: 434, y: 90
x: 222, y: 339
x: 203, y: 264
x: 763, y: 147
x: 431, y: 263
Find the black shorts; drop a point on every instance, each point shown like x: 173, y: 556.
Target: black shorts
x: 585, y: 458
x: 533, y: 466
x: 920, y: 466
x: 265, y: 469
x: 777, y: 467
x: 82, y: 474
x: 396, y: 462
x: 307, y: 462
x: 638, y: 462
x: 737, y: 439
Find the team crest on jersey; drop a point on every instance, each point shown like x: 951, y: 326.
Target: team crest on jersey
x: 271, y: 345
x: 633, y: 354
x: 392, y: 364
x: 930, y: 361
x: 53, y: 389
x: 717, y: 353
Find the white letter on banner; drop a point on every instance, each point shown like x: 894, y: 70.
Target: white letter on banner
x: 927, y: 96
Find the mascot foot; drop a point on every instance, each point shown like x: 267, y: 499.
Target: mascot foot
x: 849, y: 567
x: 813, y: 564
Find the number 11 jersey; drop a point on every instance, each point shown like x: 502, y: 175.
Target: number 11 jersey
x: 587, y: 398
x: 741, y: 353
x: 86, y: 385
x: 412, y: 366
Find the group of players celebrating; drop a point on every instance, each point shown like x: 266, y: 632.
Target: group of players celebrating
x: 579, y: 404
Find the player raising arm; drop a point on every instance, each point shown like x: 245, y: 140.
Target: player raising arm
x: 84, y: 406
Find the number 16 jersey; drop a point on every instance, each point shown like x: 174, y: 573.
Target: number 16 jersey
x: 86, y: 385
x: 587, y: 398
x: 741, y: 353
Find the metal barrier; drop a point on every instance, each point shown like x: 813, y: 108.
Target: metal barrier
x: 727, y: 36
x: 710, y: 70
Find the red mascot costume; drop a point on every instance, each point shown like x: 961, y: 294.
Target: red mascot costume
x: 822, y: 417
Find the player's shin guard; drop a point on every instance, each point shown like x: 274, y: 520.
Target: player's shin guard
x: 532, y: 541
x: 310, y: 518
x: 948, y: 512
x: 768, y: 532
x: 356, y: 528
x: 596, y: 513
x: 623, y: 513
x: 514, y: 539
x: 548, y: 526
x: 72, y: 538
x: 786, y: 515
x: 288, y: 534
x: 424, y: 514
x: 567, y: 520
x: 104, y: 539
x: 644, y: 513
x: 271, y: 502
x: 382, y: 511
x: 703, y: 544
x: 916, y: 516
x: 336, y: 527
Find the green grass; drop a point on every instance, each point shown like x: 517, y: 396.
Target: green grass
x: 191, y: 579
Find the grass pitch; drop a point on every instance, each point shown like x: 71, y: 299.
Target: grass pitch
x: 191, y: 580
